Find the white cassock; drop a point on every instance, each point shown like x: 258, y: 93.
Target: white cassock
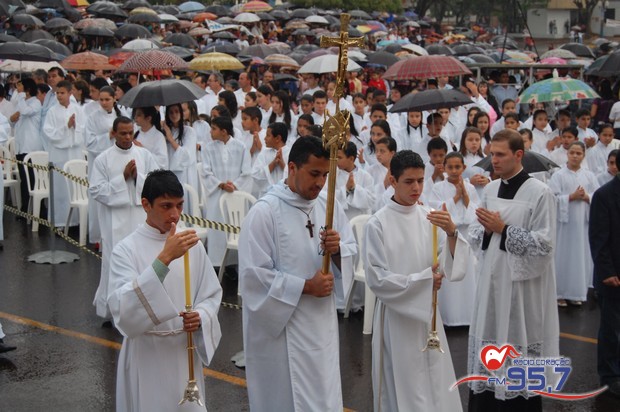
x: 5, y: 128
x: 399, y: 256
x: 604, y: 177
x: 152, y: 366
x: 597, y: 157
x: 120, y: 202
x: 183, y: 160
x: 96, y: 139
x: 155, y: 142
x: 573, y: 261
x: 456, y: 300
x: 516, y: 295
x: 362, y: 199
x: 247, y: 139
x: 290, y: 339
x: 262, y: 178
x: 27, y: 136
x: 560, y: 157
x: 65, y: 143
x: 222, y: 162
x: 411, y: 138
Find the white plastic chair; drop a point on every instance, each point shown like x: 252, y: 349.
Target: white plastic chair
x: 234, y: 206
x: 78, y: 195
x: 191, y: 198
x: 10, y: 144
x: 40, y: 187
x: 10, y: 182
x: 358, y: 223
x: 202, y: 193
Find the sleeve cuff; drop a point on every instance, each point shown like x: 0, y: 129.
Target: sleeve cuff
x: 502, y: 243
x: 160, y: 269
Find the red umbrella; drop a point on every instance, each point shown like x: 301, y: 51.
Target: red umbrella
x: 425, y: 67
x: 87, y: 61
x: 153, y: 60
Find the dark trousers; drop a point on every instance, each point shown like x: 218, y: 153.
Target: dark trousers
x: 486, y: 402
x: 24, y: 184
x: 608, y: 348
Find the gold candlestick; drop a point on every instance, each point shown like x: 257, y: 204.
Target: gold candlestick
x: 432, y: 342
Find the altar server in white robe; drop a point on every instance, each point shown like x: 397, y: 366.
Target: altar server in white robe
x: 573, y: 188
x: 270, y: 165
x: 612, y: 169
x: 597, y: 155
x: 98, y: 138
x: 226, y: 168
x: 64, y: 128
x: 147, y: 294
x: 149, y: 134
x: 116, y: 184
x: 355, y: 188
x: 516, y: 293
x: 400, y: 271
x: 457, y: 300
x: 181, y: 143
x: 290, y: 327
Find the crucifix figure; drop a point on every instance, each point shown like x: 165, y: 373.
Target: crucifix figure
x: 309, y: 226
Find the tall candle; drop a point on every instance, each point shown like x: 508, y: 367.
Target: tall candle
x: 435, y: 245
x: 188, y: 295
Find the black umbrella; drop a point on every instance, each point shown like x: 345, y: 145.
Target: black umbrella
x: 265, y: 16
x: 7, y: 38
x: 54, y: 46
x: 106, y: 8
x: 144, y: 18
x: 97, y: 31
x: 27, y: 52
x: 228, y: 48
x: 466, y: 49
x: 360, y: 14
x: 579, y: 49
x: 161, y: 93
x: 180, y: 39
x: 182, y: 52
x: 610, y: 68
x: 301, y: 14
x: 224, y: 35
x: 532, y: 163
x: 26, y: 19
x: 393, y: 48
x: 37, y: 34
x: 57, y: 23
x: 280, y: 14
x: 439, y: 49
x: 382, y: 59
x: 132, y: 31
x: 259, y: 50
x: 303, y: 32
x: 284, y: 77
x: 306, y: 48
x: 481, y: 58
x: 499, y: 41
x: 133, y: 4
x: 297, y: 56
x: 169, y: 9
x: 218, y: 10
x: 429, y: 100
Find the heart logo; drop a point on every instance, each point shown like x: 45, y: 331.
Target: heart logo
x: 493, y: 357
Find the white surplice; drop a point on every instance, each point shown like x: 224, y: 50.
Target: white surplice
x: 290, y: 339
x: 222, y: 162
x: 597, y: 157
x: 120, y: 200
x: 573, y: 262
x: 152, y: 366
x: 457, y: 300
x: 27, y: 137
x: 399, y: 256
x: 362, y: 199
x: 155, y: 142
x: 516, y: 293
x: 182, y: 161
x: 65, y: 143
x: 262, y: 178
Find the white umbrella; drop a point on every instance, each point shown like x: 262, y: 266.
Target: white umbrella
x: 140, y: 44
x: 415, y: 49
x: 246, y: 18
x: 316, y: 20
x: 327, y: 64
x: 15, y: 66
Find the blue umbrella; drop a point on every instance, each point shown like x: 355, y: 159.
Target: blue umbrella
x: 191, y: 6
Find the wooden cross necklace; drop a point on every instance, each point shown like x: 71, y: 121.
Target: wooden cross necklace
x: 309, y: 225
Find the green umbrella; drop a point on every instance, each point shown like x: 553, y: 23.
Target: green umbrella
x: 557, y: 89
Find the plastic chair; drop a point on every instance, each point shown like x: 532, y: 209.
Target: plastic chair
x: 358, y: 223
x: 191, y: 198
x: 78, y: 195
x: 233, y: 206
x: 202, y: 193
x: 9, y: 180
x: 40, y: 188
x: 10, y: 144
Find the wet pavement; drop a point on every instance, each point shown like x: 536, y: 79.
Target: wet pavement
x: 65, y: 360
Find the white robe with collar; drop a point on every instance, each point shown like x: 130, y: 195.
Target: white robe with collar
x: 290, y: 339
x: 152, y: 365
x: 262, y: 178
x: 398, y: 261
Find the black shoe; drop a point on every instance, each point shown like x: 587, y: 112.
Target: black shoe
x: 107, y: 324
x: 6, y: 348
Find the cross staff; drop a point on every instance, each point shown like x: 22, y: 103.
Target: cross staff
x: 336, y: 126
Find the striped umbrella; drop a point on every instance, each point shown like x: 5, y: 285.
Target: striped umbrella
x: 280, y: 60
x: 255, y: 6
x: 557, y: 89
x: 425, y: 67
x: 87, y: 61
x: 560, y: 53
x: 79, y: 3
x: 153, y: 60
x: 215, y: 62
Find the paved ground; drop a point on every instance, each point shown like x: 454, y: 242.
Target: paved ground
x: 66, y: 362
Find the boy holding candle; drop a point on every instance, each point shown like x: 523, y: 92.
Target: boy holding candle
x: 400, y: 271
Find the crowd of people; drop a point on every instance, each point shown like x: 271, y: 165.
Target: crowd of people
x: 515, y: 247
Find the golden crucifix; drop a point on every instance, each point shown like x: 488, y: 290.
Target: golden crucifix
x: 336, y: 126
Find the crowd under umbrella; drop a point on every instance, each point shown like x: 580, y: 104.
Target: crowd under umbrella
x: 205, y: 15
x: 610, y: 67
x: 504, y: 41
x: 168, y: 18
x: 132, y: 31
x: 557, y: 89
x: 439, y: 50
x: 153, y: 60
x: 14, y: 66
x: 215, y: 62
x: 466, y: 49
x: 481, y: 58
x: 36, y: 34
x: 162, y: 93
x: 415, y: 49
x: 22, y: 51
x: 26, y: 20
x: 87, y: 61
x: 327, y: 64
x: 199, y: 32
x: 106, y: 8
x: 426, y: 67
x: 264, y: 16
x: 55, y: 46
x: 316, y: 53
x: 580, y: 50
x: 430, y: 100
x: 181, y: 39
x: 97, y: 32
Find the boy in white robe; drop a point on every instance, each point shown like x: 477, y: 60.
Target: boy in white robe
x: 354, y: 186
x: 290, y: 328
x: 612, y: 169
x: 253, y: 135
x: 597, y: 155
x: 64, y: 128
x: 116, y: 183
x: 270, y: 165
x: 400, y: 271
x: 147, y: 299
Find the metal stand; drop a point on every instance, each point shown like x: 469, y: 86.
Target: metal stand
x: 52, y: 256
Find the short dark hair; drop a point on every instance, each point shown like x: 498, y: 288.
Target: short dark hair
x: 506, y: 101
x: 65, y: 84
x: 512, y: 116
x: 304, y: 148
x: 60, y: 72
x: 350, y: 150
x: 161, y: 183
x: 224, y: 123
x: 264, y: 89
x: 403, y: 160
x: 572, y: 130
x: 121, y: 120
x: 580, y: 144
x: 389, y: 142
x: 582, y: 112
x: 528, y: 133
x: 431, y: 118
x: 514, y: 139
x: 99, y: 82
x: 315, y: 130
x: 319, y: 94
x: 306, y: 117
x: 253, y: 113
x: 29, y: 86
x: 436, y: 143
x: 563, y: 112
x: 306, y: 98
x: 613, y: 153
x: 279, y: 129
x: 378, y: 107
x: 538, y: 113
x: 452, y: 155
x: 43, y: 88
